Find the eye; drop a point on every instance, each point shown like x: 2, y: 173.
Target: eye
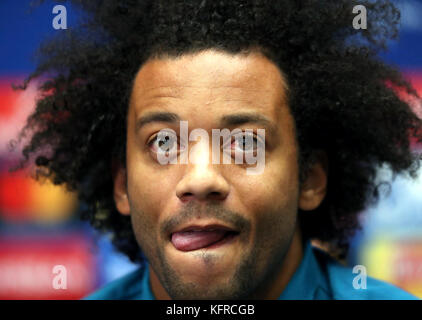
x: 166, y: 142
x: 245, y: 142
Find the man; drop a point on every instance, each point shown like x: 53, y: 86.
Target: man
x: 137, y: 72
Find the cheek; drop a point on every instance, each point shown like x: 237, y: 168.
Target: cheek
x: 149, y: 190
x: 149, y: 195
x: 276, y: 188
x: 271, y: 200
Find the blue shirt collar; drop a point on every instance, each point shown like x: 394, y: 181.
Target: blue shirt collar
x: 146, y: 292
x: 309, y: 281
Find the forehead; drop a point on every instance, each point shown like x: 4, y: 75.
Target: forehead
x: 210, y: 77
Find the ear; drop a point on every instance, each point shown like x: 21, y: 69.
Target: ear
x: 314, y: 188
x: 120, y: 188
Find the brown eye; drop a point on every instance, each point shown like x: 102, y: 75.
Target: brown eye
x: 165, y: 142
x: 245, y: 142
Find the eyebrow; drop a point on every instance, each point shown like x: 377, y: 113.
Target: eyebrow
x: 245, y: 118
x: 158, y: 116
x: 226, y: 121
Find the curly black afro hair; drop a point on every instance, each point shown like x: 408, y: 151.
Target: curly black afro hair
x: 344, y: 99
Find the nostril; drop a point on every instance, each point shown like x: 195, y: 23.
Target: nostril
x: 186, y: 196
x: 215, y: 195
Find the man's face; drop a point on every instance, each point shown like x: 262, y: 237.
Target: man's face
x: 249, y: 219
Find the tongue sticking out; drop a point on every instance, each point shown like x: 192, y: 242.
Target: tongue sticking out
x: 193, y: 240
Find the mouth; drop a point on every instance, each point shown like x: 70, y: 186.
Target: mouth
x: 200, y: 237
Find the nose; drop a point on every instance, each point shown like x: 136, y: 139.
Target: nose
x: 202, y: 180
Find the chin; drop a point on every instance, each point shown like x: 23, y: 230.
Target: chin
x: 191, y: 291
x: 212, y: 280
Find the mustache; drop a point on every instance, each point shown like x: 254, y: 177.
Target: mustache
x: 216, y: 211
